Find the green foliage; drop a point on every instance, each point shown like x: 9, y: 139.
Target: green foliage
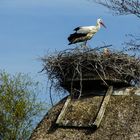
x: 18, y: 106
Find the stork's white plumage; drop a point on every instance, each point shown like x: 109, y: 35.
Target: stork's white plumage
x: 84, y: 33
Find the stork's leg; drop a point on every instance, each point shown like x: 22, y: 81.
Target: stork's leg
x: 84, y: 46
x: 85, y: 43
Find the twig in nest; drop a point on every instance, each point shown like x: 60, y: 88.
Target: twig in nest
x: 79, y: 70
x: 50, y: 93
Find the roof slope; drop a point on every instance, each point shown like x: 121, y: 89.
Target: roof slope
x: 121, y: 121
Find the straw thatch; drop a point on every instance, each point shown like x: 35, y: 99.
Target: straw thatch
x: 121, y: 120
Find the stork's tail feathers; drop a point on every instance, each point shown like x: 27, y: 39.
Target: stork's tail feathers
x: 75, y: 37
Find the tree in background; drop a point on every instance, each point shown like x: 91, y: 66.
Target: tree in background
x: 125, y: 7
x: 18, y: 106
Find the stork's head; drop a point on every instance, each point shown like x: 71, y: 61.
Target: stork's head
x: 100, y: 21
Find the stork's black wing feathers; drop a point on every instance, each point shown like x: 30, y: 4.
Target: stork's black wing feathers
x: 74, y: 36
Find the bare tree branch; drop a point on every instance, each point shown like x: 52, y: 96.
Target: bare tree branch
x: 122, y: 7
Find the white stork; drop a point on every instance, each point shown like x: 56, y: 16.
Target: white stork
x: 84, y: 33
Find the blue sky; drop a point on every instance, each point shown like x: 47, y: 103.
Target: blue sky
x: 29, y: 28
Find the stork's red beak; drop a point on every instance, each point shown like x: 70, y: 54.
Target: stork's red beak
x: 102, y: 24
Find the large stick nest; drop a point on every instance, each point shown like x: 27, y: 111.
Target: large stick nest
x: 91, y: 64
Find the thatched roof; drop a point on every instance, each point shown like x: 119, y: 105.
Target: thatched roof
x: 121, y: 120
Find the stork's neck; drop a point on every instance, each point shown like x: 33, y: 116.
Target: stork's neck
x: 98, y: 25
